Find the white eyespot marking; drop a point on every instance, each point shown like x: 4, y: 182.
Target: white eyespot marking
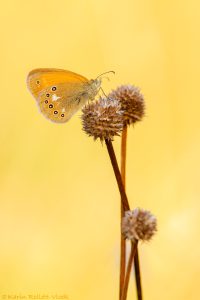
x: 63, y: 109
x: 55, y: 97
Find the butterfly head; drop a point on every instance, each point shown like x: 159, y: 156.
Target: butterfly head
x: 95, y: 84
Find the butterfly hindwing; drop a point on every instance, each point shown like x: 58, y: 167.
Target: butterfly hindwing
x: 59, y: 102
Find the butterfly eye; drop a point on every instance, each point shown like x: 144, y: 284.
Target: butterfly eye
x: 55, y: 112
x: 50, y: 105
x: 53, y: 88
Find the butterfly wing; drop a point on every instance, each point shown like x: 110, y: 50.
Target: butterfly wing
x: 60, y: 104
x: 60, y: 93
x: 40, y: 79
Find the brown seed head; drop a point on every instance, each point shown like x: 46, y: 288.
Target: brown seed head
x: 102, y: 119
x: 139, y: 224
x: 132, y: 102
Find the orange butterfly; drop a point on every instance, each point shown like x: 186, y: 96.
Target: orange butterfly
x: 61, y: 93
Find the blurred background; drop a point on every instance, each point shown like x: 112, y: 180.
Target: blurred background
x: 59, y: 202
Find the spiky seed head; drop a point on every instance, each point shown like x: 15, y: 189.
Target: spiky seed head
x: 139, y: 224
x: 132, y: 102
x: 103, y: 119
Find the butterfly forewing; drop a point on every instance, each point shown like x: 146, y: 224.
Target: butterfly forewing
x: 40, y: 79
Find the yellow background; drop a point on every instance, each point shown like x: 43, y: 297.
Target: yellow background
x: 59, y: 203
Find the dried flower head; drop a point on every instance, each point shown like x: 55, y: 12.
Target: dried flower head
x: 132, y: 102
x: 139, y: 224
x: 102, y: 119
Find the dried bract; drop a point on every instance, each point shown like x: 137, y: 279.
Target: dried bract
x: 132, y: 102
x: 102, y: 119
x: 139, y: 224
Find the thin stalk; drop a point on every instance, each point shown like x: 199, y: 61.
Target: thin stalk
x: 123, y: 241
x: 113, y: 159
x: 129, y: 268
x: 137, y: 275
x: 124, y: 200
x: 123, y: 155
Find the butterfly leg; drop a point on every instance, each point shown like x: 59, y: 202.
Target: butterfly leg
x: 78, y: 99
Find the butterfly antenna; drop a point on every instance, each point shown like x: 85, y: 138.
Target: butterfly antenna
x: 105, y: 73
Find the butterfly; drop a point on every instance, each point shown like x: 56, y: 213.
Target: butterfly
x: 61, y: 93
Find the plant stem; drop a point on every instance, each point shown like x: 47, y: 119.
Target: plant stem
x: 123, y: 241
x: 113, y: 159
x: 137, y: 275
x: 123, y: 155
x: 129, y: 268
x: 125, y: 205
